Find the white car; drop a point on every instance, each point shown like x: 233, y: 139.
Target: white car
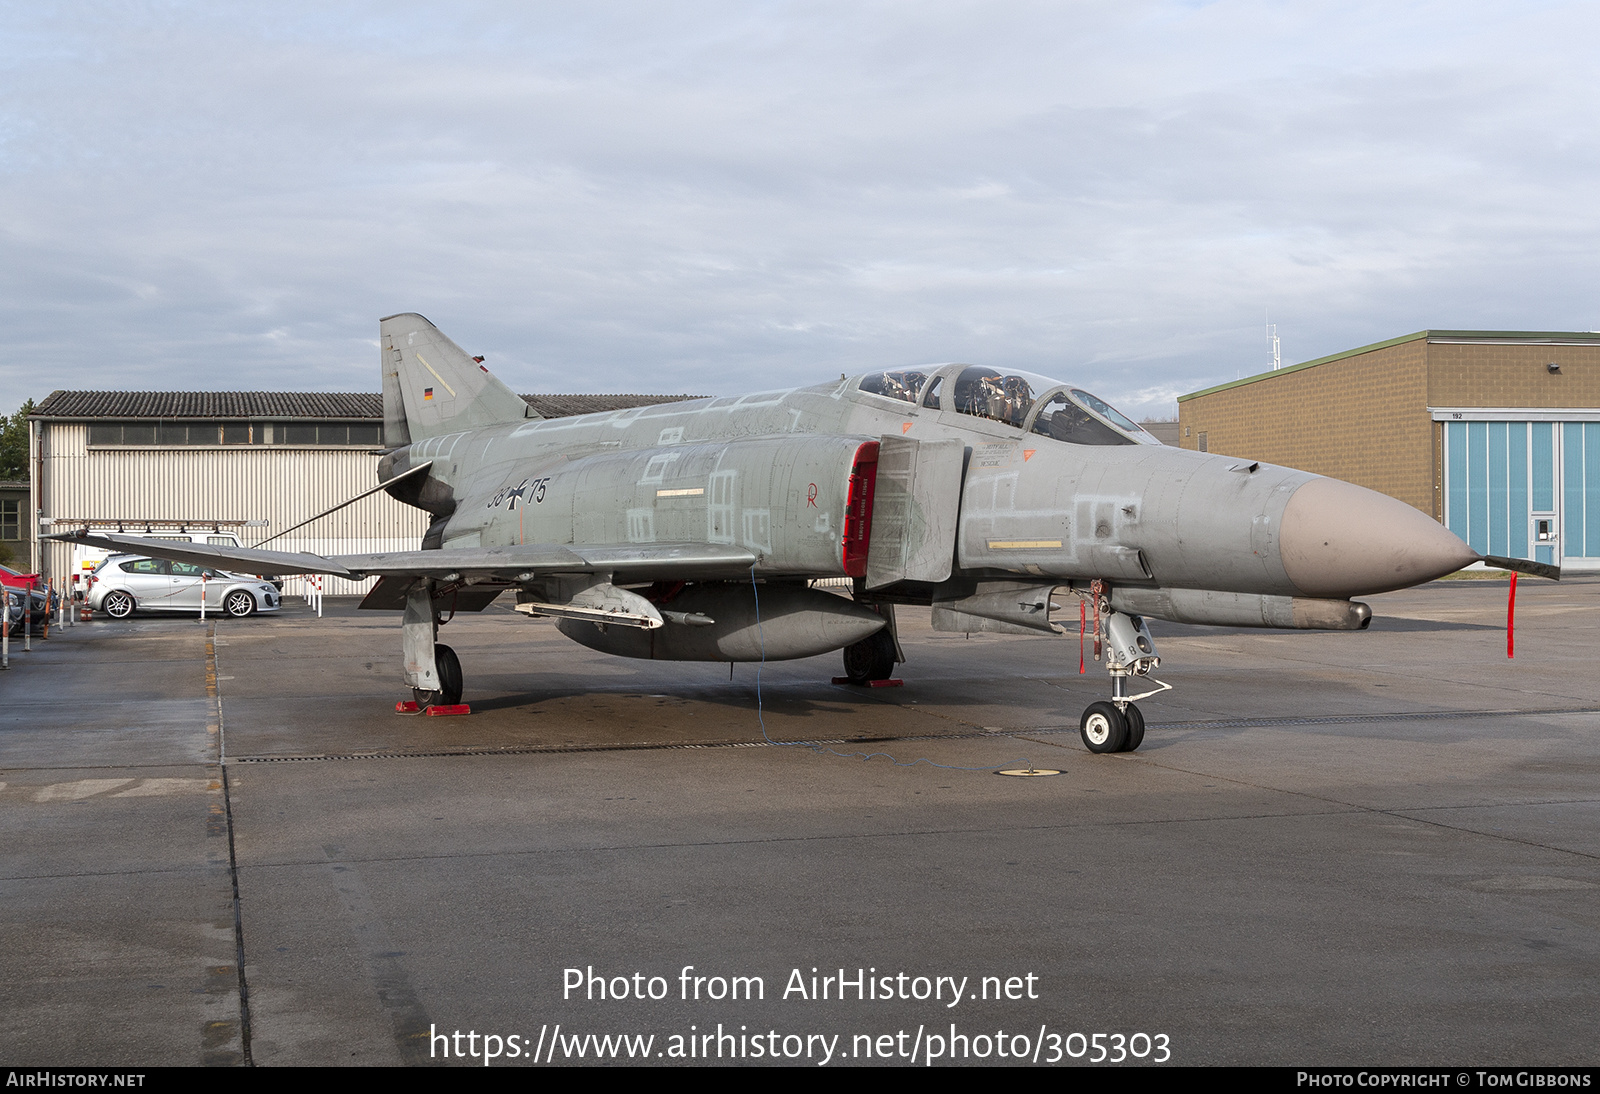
x: 124, y: 584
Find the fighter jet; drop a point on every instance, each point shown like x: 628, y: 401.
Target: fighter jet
x: 696, y: 531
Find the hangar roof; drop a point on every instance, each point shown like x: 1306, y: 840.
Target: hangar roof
x: 318, y: 405
x: 1486, y: 337
x: 564, y: 406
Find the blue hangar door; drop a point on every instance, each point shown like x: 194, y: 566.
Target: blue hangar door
x: 1525, y: 489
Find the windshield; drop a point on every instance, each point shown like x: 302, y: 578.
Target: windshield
x: 1064, y: 420
x: 1077, y: 417
x: 1106, y: 411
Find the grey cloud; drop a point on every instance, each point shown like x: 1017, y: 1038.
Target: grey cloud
x: 709, y: 197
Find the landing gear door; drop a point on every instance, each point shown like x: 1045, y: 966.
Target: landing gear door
x: 915, y: 510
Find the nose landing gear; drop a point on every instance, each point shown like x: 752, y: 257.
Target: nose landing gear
x: 1118, y: 725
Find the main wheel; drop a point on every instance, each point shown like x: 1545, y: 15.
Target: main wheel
x: 1135, y: 719
x: 870, y: 659
x: 239, y: 603
x: 1103, y: 728
x: 118, y: 605
x: 448, y: 666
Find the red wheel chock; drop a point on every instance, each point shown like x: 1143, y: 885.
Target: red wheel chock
x: 437, y: 711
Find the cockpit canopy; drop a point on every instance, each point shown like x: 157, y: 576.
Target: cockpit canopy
x: 905, y: 386
x: 996, y: 395
x: 1023, y: 400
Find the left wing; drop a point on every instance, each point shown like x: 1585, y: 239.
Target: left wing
x: 468, y: 565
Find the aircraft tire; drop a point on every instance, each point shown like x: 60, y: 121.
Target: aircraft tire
x: 870, y: 659
x: 450, y: 680
x: 1103, y: 728
x: 1135, y: 720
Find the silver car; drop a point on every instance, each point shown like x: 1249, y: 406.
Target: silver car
x: 123, y: 584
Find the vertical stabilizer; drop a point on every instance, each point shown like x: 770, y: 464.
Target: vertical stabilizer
x: 431, y: 386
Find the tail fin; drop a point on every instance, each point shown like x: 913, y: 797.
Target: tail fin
x: 431, y: 386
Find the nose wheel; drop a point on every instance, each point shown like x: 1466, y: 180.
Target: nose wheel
x: 1135, y: 728
x: 1117, y: 725
x: 1106, y: 729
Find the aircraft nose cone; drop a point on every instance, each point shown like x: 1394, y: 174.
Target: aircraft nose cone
x: 1341, y: 540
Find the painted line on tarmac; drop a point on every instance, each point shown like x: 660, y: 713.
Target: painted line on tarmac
x: 225, y: 1041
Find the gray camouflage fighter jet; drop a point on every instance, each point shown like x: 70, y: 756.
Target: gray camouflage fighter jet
x: 693, y: 530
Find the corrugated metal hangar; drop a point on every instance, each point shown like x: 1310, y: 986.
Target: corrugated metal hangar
x: 1494, y: 433
x: 249, y: 462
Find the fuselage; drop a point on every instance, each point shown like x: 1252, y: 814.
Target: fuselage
x: 772, y: 471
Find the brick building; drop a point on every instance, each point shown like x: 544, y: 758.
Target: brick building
x: 1494, y: 433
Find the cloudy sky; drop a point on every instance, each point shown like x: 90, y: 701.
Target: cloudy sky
x: 712, y: 197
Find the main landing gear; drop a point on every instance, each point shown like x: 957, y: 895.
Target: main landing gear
x: 1118, y: 725
x: 870, y: 659
x: 448, y: 693
x: 433, y: 671
x: 875, y: 656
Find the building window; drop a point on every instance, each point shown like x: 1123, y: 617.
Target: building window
x: 10, y: 519
x: 1203, y: 447
x: 200, y: 434
x: 329, y: 433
